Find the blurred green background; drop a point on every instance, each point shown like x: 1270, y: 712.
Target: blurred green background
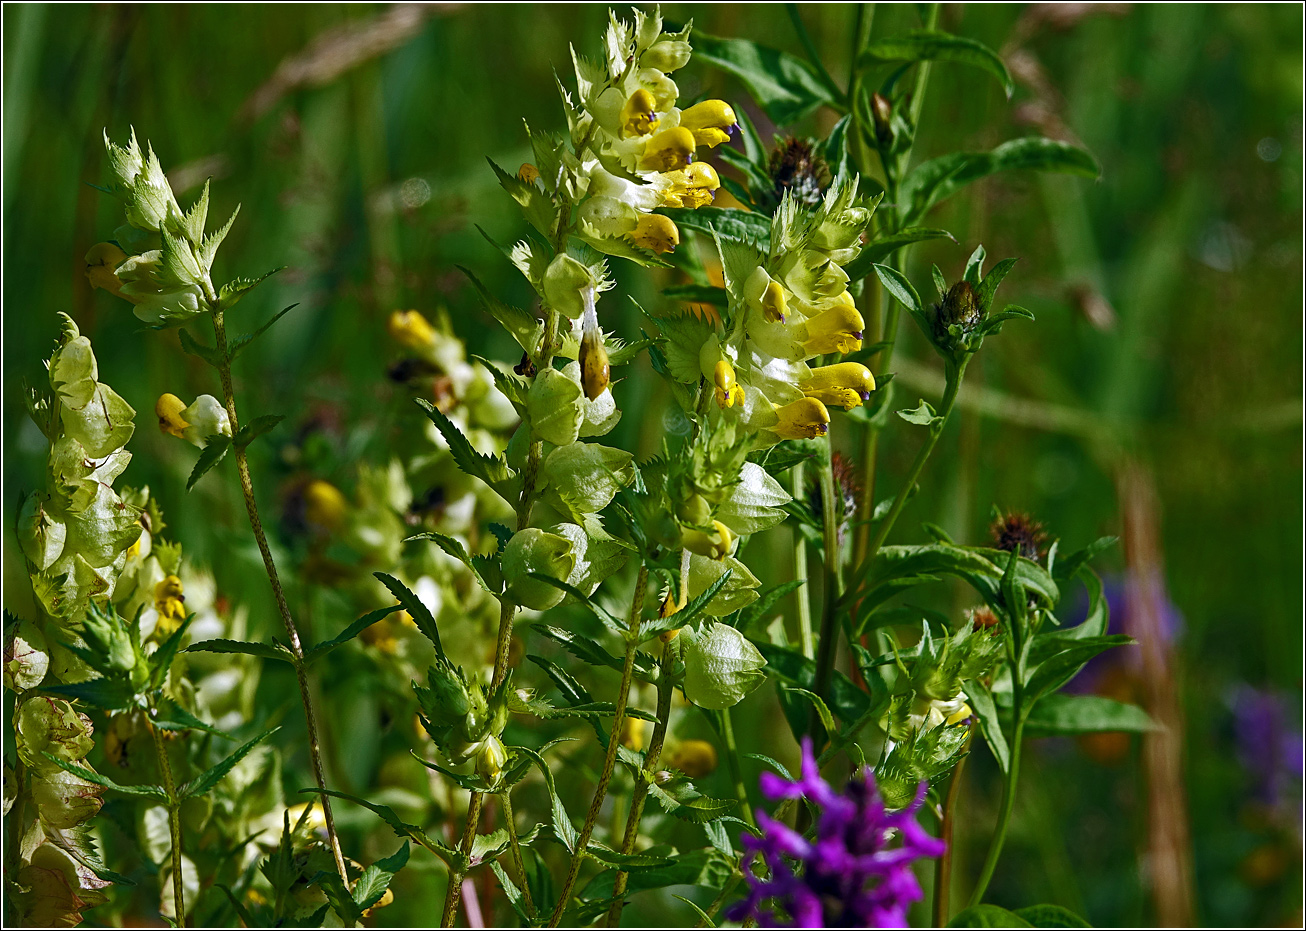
x: 1164, y: 373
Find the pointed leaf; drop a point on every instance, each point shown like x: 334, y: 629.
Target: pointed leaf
x: 105, y: 781
x: 240, y: 342
x: 212, y: 776
x: 932, y: 45
x: 899, y: 287
x: 349, y: 633
x: 261, y: 650
x: 215, y: 449
x: 421, y: 614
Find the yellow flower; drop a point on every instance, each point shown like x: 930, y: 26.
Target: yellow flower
x: 595, y: 372
x: 637, y: 116
x: 728, y: 391
x: 804, y: 419
x: 715, y: 545
x: 101, y: 261
x: 774, y: 305
x: 694, y: 758
x: 528, y: 173
x: 168, y: 409
x: 411, y: 329
x: 324, y: 505
x: 693, y: 186
x: 656, y: 233
x: 838, y: 329
x: 845, y: 385
x: 709, y: 121
x: 171, y: 605
x: 632, y: 733
x: 669, y: 150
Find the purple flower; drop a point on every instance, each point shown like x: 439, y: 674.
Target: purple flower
x: 1269, y: 746
x: 848, y: 875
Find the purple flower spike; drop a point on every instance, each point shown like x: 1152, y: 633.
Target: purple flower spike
x: 847, y: 876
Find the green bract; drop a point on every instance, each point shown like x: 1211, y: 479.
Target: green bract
x: 721, y: 666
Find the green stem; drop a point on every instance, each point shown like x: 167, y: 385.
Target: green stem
x: 735, y: 878
x: 943, y: 865
x: 800, y: 573
x: 936, y: 430
x: 813, y: 55
x: 174, y: 819
x: 639, y: 795
x: 614, y: 741
x: 736, y: 771
x: 515, y: 846
x: 256, y: 524
x: 1008, y: 801
x: 826, y: 647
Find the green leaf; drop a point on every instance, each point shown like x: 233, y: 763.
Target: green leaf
x: 847, y: 700
x: 728, y: 222
x: 215, y: 449
x: 787, y: 88
x: 822, y: 710
x: 421, y: 614
x: 683, y: 617
x: 240, y: 342
x: 563, y: 829
x: 1051, y: 916
x: 521, y: 324
x: 704, y: 919
x: 931, y: 45
x: 1067, y: 715
x: 179, y: 719
x: 613, y: 624
x: 490, y: 469
x: 899, y: 287
x: 114, y: 694
x: 1067, y: 566
x: 237, y: 288
x: 262, y: 650
x: 399, y: 826
x: 987, y: 916
x: 369, y: 887
x: 196, y: 348
x: 254, y: 429
x: 105, y: 781
x: 938, y: 179
x: 212, y: 776
x: 629, y: 862
x: 879, y: 249
x: 981, y: 699
x: 572, y: 691
x: 456, y: 550
x: 698, y: 294
x: 680, y: 799
x: 924, y: 415
x: 704, y: 867
x: 759, y: 609
x: 349, y: 633
x: 1060, y: 668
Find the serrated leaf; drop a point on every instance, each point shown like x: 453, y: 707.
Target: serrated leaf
x: 572, y: 691
x: 216, y: 447
x: 934, y: 45
x: 490, y: 469
x: 213, y: 775
x: 254, y: 429
x: 458, y: 552
x: 234, y: 290
x: 685, y: 616
x: 613, y: 624
x: 195, y: 348
x: 398, y: 825
x: 688, y: 804
x: 179, y: 719
x: 728, y: 222
x: 240, y: 342
x: 107, y: 694
x: 420, y: 613
x: 262, y: 650
x: 563, y: 829
x: 349, y: 633
x: 84, y: 773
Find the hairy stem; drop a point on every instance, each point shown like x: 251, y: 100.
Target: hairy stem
x: 517, y: 861
x: 256, y: 524
x: 614, y: 741
x: 174, y: 820
x: 943, y: 865
x: 639, y: 795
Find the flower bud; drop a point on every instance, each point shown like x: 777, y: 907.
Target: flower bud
x: 595, y: 373
x: 694, y: 509
x: 846, y: 385
x: 669, y: 150
x: 637, y: 114
x: 168, y: 409
x: 656, y: 233
x: 101, y: 261
x: 709, y: 121
x: 715, y: 545
x: 666, y: 55
x: 882, y: 115
x: 563, y: 281
x: 838, y: 329
x: 490, y: 759
x: 960, y: 307
x: 533, y: 550
x: 409, y: 328
x: 728, y: 391
x: 694, y: 758
x: 804, y: 419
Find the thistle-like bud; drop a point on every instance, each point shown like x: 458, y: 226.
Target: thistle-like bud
x: 797, y: 170
x: 669, y: 150
x: 960, y: 308
x: 595, y: 373
x: 1018, y: 532
x: 882, y: 115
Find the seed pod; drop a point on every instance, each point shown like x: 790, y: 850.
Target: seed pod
x: 595, y: 372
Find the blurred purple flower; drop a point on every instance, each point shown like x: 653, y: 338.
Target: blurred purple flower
x: 1102, y: 668
x: 847, y: 876
x: 1269, y: 747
